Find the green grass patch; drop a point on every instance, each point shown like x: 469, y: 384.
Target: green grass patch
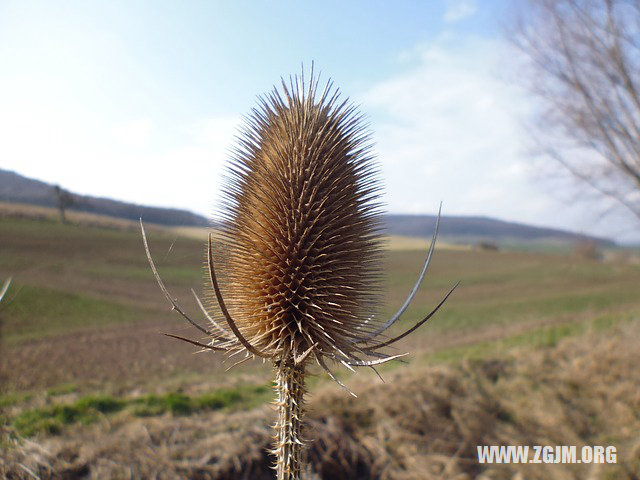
x: 176, y: 403
x: 102, y: 404
x: 180, y: 404
x: 11, y: 399
x: 62, y: 389
x: 246, y: 396
x: 51, y: 420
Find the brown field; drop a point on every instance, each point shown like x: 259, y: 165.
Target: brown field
x: 533, y: 349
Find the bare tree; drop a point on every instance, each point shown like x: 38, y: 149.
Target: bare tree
x: 583, y: 62
x: 63, y: 201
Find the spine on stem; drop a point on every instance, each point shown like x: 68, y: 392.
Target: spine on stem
x: 290, y: 405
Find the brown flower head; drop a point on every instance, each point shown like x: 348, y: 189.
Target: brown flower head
x: 300, y: 246
x: 299, y: 251
x: 298, y: 254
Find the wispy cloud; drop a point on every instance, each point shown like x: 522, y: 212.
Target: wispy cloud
x: 459, y: 9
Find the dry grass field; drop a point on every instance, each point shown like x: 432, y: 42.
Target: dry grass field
x: 533, y: 349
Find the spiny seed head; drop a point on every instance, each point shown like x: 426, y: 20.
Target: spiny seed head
x: 299, y: 250
x: 298, y: 254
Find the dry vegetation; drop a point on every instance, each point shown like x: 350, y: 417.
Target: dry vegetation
x: 424, y: 423
x: 534, y: 349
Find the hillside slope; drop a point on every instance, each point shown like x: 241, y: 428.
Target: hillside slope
x: 463, y: 229
x: 18, y: 189
x: 454, y: 229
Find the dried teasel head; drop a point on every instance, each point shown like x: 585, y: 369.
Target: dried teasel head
x: 299, y: 251
x: 298, y: 254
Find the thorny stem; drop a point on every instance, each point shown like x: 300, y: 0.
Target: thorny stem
x: 290, y: 404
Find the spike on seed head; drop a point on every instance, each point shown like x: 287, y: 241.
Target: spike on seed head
x: 299, y: 249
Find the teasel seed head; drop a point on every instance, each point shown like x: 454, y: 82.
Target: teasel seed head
x: 296, y: 269
x: 299, y: 256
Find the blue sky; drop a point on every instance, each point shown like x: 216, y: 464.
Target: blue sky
x: 140, y: 101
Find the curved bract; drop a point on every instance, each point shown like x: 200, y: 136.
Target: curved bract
x: 4, y: 288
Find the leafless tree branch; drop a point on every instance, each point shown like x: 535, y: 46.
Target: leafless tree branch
x: 584, y: 66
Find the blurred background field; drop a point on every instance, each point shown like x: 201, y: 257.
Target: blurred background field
x: 91, y: 387
x: 522, y: 117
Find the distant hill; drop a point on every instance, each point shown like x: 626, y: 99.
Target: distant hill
x: 454, y: 229
x: 18, y: 189
x: 473, y: 230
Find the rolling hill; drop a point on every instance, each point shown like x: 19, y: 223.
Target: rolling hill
x: 474, y: 230
x: 16, y: 188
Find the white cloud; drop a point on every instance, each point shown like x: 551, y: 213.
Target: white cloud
x: 135, y: 160
x: 449, y: 129
x: 449, y: 113
x: 135, y: 133
x: 184, y: 174
x: 459, y: 9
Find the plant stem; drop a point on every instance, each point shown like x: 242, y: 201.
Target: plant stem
x: 290, y: 402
